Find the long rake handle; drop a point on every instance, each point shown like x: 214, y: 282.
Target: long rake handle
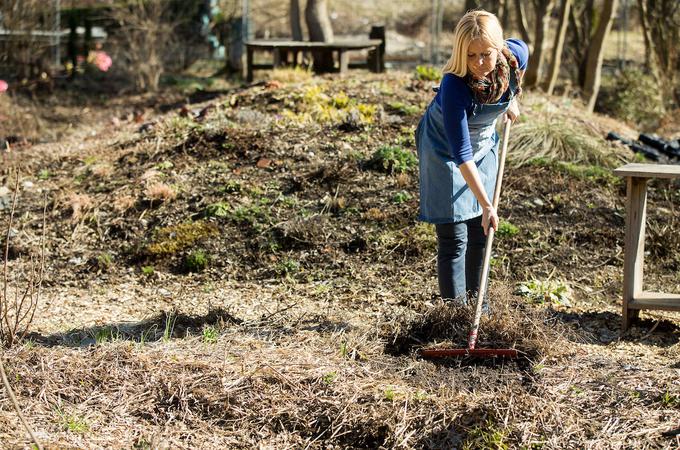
x: 484, y: 279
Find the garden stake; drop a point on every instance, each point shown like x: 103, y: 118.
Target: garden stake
x: 484, y: 281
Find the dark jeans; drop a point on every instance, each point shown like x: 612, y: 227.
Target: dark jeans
x: 460, y: 253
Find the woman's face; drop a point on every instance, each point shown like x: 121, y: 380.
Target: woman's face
x: 481, y: 58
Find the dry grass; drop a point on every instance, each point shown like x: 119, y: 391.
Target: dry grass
x: 290, y: 75
x: 289, y: 379
x: 532, y: 332
x: 158, y: 191
x: 552, y: 131
x: 79, y: 205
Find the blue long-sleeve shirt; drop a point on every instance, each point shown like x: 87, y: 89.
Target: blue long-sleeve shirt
x: 455, y: 98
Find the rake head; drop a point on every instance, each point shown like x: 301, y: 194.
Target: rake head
x: 468, y: 352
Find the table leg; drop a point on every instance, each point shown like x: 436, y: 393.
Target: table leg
x: 249, y: 64
x: 636, y: 204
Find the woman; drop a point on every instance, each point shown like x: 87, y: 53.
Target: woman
x: 457, y: 146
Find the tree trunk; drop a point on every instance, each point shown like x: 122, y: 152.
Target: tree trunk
x: 470, y: 5
x: 320, y: 30
x: 543, y: 9
x: 556, y: 57
x: 522, y: 22
x: 504, y: 13
x: 591, y: 85
x: 295, y: 26
x: 660, y: 30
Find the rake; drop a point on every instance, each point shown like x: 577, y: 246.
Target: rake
x: 484, y: 281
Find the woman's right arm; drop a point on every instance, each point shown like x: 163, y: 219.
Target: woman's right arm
x: 455, y: 99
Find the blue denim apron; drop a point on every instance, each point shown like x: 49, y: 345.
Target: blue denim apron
x: 444, y: 194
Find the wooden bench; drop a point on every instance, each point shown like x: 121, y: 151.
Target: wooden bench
x: 280, y: 48
x: 634, y: 298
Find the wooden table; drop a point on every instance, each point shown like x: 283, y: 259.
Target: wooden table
x: 279, y: 47
x: 634, y: 298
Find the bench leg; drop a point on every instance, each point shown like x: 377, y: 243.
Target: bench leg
x: 374, y: 60
x: 636, y: 204
x: 343, y: 56
x: 249, y: 65
x: 277, y: 57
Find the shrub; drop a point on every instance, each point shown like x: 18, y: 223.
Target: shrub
x: 394, y: 159
x: 632, y: 96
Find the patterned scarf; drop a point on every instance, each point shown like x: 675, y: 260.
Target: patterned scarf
x: 492, y: 88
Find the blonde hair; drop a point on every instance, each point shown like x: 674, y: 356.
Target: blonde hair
x: 473, y: 25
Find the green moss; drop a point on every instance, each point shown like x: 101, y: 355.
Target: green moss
x: 176, y: 238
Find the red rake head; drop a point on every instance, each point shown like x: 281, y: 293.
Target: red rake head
x: 473, y: 353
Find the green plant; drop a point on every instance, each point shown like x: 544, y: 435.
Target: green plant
x: 394, y: 159
x: 44, y: 174
x: 547, y: 291
x: 219, y: 209
x: 72, y: 423
x: 287, y: 268
x: 506, y: 229
x: 420, y: 395
x: 428, y: 73
x: 148, y: 271
x: 104, y: 261
x: 165, y: 165
x: 330, y: 377
x: 670, y: 400
x: 250, y: 214
x: 170, y: 319
x: 231, y: 187
x: 209, y: 335
x: 390, y: 394
x: 197, y: 261
x: 485, y: 437
x: 105, y: 334
x: 404, y: 108
x: 401, y: 197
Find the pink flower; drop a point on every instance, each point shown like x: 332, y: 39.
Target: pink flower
x: 102, y: 61
x: 3, y: 86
